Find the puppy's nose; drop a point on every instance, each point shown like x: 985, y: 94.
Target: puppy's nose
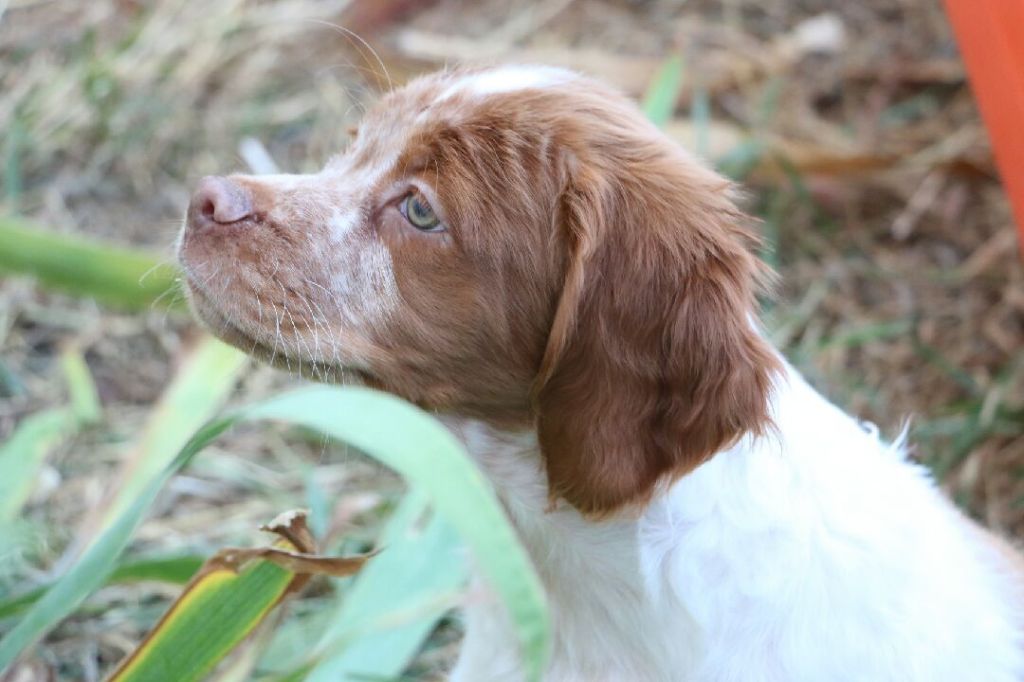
x: 219, y: 201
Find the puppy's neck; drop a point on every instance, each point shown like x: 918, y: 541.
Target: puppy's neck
x: 510, y: 458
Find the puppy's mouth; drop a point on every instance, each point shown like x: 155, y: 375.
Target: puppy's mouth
x: 218, y: 322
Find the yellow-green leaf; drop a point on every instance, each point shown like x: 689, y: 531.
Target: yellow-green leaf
x: 216, y: 612
x: 230, y: 595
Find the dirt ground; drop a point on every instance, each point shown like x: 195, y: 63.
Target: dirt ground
x: 851, y: 124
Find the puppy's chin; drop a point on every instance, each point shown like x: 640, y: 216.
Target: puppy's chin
x: 211, y: 317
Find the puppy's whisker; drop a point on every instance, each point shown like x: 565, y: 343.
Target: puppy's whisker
x: 166, y: 262
x: 174, y: 293
x: 313, y: 327
x: 277, y: 335
x: 301, y: 346
x: 353, y: 36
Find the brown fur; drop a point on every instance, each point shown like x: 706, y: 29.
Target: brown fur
x: 594, y: 282
x: 653, y: 363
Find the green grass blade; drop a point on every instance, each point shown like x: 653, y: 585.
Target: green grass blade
x: 210, y: 618
x: 175, y: 570
x: 12, y: 606
x: 23, y: 455
x: 865, y: 334
x: 12, y: 160
x: 197, y: 392
x: 120, y: 277
x: 97, y: 562
x: 172, y: 569
x: 700, y: 114
x: 659, y: 102
x: 768, y: 102
x: 85, y: 399
x: 10, y: 383
x: 386, y: 428
x: 741, y: 160
x: 419, y: 565
x: 432, y: 461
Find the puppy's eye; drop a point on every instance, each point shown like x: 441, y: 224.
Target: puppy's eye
x: 418, y: 212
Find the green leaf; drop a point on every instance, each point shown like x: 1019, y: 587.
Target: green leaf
x: 198, y: 391
x: 120, y: 277
x: 384, y: 427
x: 226, y: 600
x: 659, y: 102
x: 175, y: 570
x: 12, y: 159
x: 432, y: 461
x: 85, y: 399
x: 741, y: 160
x: 700, y: 114
x: 10, y: 383
x: 209, y: 619
x: 378, y: 630
x: 96, y: 563
x: 23, y: 455
x: 171, y: 569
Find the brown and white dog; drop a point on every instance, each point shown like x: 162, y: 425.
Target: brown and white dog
x: 518, y: 250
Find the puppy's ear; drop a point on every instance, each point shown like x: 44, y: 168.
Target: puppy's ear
x: 653, y: 363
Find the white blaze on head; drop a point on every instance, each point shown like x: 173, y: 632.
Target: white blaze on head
x: 364, y: 290
x: 342, y: 222
x: 507, y: 79
x: 363, y: 287
x: 284, y: 182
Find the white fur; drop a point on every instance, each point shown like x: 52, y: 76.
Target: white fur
x: 817, y: 554
x: 362, y: 289
x: 506, y: 79
x: 363, y: 285
x: 342, y: 223
x: 285, y: 182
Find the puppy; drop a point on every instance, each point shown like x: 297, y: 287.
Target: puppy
x: 518, y: 250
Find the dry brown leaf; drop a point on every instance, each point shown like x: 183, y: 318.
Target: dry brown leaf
x: 295, y: 551
x: 297, y: 562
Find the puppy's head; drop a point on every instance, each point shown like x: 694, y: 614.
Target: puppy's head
x: 515, y: 244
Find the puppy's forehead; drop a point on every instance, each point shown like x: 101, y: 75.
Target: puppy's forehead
x: 453, y: 95
x: 449, y: 97
x: 503, y: 80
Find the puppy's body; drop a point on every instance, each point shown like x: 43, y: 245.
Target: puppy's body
x: 519, y: 251
x: 815, y: 553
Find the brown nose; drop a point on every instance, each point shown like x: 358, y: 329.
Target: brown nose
x: 218, y: 201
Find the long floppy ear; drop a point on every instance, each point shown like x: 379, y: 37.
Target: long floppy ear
x: 653, y: 363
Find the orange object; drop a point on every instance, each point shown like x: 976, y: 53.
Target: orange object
x: 991, y: 38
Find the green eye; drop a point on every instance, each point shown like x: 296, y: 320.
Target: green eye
x: 418, y: 212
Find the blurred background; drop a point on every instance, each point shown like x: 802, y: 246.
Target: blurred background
x: 850, y: 123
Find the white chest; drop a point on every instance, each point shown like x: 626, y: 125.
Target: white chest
x: 607, y: 626
x: 816, y: 554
